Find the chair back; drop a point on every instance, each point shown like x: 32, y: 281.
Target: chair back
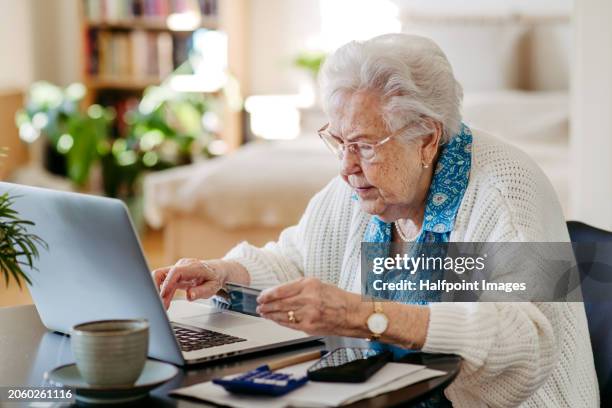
x: 598, y: 312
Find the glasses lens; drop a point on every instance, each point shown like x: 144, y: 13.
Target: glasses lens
x: 366, y: 151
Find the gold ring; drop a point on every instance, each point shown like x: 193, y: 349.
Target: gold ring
x: 291, y: 315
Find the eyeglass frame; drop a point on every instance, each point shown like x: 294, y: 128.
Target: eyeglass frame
x: 340, y: 153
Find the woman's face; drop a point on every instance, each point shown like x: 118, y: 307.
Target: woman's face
x: 394, y: 184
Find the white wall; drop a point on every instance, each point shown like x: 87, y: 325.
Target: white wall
x: 57, y: 38
x: 591, y: 132
x: 487, y: 7
x: 39, y: 39
x: 279, y: 30
x: 16, y: 69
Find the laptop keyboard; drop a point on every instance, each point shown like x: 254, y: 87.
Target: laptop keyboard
x: 191, y: 340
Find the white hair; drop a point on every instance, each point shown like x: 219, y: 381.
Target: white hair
x: 411, y: 73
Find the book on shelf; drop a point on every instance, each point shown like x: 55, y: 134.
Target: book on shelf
x: 108, y: 11
x: 138, y: 54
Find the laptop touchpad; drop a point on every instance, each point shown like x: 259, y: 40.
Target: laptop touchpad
x: 181, y: 309
x: 220, y: 320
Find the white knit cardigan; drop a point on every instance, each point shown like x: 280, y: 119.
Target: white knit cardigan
x: 514, y: 354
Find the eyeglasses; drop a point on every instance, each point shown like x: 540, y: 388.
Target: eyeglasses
x: 365, y: 151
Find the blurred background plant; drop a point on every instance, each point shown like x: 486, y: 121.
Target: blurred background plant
x: 165, y: 129
x: 75, y: 136
x: 310, y: 61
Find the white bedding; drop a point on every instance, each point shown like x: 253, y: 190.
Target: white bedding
x: 262, y: 184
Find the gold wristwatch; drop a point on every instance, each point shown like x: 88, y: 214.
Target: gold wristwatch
x: 377, y: 322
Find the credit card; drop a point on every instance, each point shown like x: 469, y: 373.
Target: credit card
x: 242, y: 298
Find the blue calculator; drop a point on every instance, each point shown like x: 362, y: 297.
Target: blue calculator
x: 261, y: 381
x: 264, y: 380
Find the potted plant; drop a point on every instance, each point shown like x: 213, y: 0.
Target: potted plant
x: 18, y: 247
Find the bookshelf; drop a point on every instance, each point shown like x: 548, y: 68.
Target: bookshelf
x: 132, y: 44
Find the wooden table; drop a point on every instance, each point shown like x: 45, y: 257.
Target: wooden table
x: 28, y: 349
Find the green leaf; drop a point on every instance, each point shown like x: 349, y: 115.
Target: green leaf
x: 86, y: 134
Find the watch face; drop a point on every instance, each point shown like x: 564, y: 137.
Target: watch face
x: 377, y: 323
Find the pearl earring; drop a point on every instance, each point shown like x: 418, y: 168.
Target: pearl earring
x: 425, y: 166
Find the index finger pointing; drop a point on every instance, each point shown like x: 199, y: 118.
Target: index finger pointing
x: 159, y: 276
x: 281, y: 291
x: 169, y: 286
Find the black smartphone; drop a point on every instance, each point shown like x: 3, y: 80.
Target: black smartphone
x: 349, y: 365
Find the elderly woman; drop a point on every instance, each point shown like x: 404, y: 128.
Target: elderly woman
x: 412, y: 171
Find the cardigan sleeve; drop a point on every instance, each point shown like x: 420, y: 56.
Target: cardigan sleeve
x: 284, y: 260
x: 276, y: 262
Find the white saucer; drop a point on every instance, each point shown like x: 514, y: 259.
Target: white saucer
x: 154, y: 373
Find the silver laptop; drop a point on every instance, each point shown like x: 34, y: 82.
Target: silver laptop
x: 95, y: 269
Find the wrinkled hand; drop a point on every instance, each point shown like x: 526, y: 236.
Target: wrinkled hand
x: 198, y: 279
x: 318, y: 308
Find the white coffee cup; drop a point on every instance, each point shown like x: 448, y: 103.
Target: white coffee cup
x: 110, y: 353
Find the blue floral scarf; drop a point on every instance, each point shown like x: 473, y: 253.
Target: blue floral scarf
x: 445, y: 193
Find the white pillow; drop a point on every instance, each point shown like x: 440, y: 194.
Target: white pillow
x: 520, y: 115
x: 485, y: 54
x: 548, y: 57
